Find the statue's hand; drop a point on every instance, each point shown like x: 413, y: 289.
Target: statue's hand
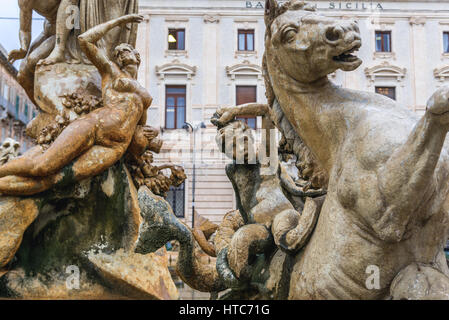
x: 438, y: 106
x: 149, y: 132
x: 132, y: 18
x: 15, y: 55
x: 223, y: 116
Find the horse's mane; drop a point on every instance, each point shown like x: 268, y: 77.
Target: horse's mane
x: 291, y: 143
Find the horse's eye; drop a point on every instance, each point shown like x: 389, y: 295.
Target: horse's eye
x: 289, y: 35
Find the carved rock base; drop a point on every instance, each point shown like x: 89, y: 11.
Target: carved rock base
x: 92, y: 227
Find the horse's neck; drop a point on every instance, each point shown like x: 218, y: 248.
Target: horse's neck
x: 310, y: 124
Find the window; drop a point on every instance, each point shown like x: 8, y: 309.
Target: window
x: 247, y: 94
x: 176, y: 199
x: 446, y: 42
x: 17, y: 106
x: 6, y: 92
x: 389, y: 92
x: 383, y: 41
x: 175, y: 107
x: 176, y: 39
x: 246, y: 40
x: 25, y: 110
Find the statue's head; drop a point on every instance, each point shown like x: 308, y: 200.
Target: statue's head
x: 306, y: 45
x: 9, y: 149
x: 125, y: 56
x: 236, y: 141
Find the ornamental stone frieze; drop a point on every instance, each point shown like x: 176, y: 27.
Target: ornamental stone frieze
x: 175, y: 68
x: 245, y: 68
x: 384, y: 71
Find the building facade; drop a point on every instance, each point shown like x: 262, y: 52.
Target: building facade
x: 16, y: 109
x: 202, y: 54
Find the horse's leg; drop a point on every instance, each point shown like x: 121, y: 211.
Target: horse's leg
x: 78, y: 137
x: 410, y: 169
x: 62, y: 33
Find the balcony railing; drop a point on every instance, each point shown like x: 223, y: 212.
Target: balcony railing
x: 11, y: 109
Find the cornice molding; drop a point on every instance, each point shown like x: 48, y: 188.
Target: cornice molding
x: 245, y: 68
x: 175, y: 68
x: 442, y: 73
x: 211, y: 19
x: 385, y: 70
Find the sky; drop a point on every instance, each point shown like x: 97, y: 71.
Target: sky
x: 9, y: 25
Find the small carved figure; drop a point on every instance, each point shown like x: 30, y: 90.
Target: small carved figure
x: 9, y: 150
x: 94, y: 141
x: 140, y: 161
x: 266, y: 211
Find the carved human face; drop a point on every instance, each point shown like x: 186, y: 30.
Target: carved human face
x: 8, y: 150
x: 127, y: 58
x: 237, y: 142
x: 309, y: 46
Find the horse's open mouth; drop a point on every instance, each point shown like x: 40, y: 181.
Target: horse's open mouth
x: 347, y: 56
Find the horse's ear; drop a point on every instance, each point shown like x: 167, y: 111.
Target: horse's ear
x: 270, y: 11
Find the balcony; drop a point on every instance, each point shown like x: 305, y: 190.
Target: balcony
x: 11, y: 109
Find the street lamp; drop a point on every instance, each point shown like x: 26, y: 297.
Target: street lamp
x: 193, y: 129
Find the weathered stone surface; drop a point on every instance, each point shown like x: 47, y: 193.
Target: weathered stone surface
x: 160, y: 226
x: 13, y: 225
x: 75, y: 226
x: 55, y: 81
x: 420, y: 282
x: 135, y: 275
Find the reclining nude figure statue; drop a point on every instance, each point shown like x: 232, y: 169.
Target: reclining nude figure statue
x: 93, y: 142
x: 386, y: 211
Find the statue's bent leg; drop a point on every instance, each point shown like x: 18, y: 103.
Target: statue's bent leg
x: 26, y: 186
x: 62, y: 33
x: 26, y: 73
x: 95, y: 161
x: 78, y: 137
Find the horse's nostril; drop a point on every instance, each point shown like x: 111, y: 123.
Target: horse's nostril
x: 334, y: 33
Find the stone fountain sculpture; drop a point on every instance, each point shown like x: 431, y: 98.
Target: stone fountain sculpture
x: 70, y: 216
x: 373, y: 217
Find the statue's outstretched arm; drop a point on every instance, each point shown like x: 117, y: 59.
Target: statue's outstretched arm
x: 407, y: 177
x: 227, y: 114
x: 89, y: 39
